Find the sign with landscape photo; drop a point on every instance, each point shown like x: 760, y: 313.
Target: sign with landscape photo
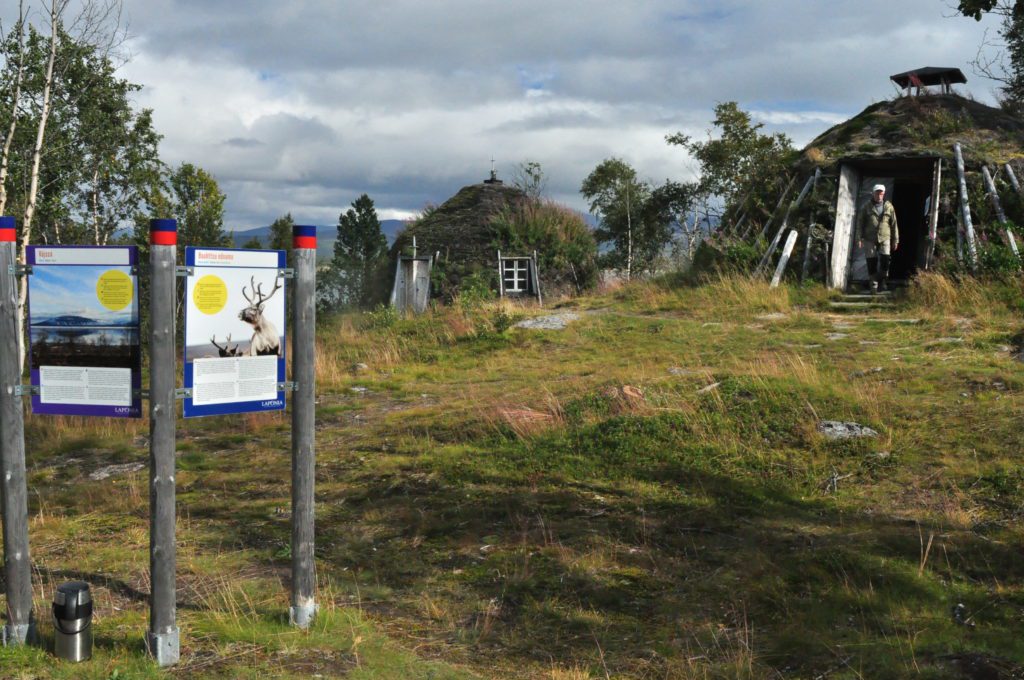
x: 83, y: 325
x: 234, y: 331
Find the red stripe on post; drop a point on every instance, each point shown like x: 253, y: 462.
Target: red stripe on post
x: 163, y: 238
x: 304, y: 242
x: 8, y: 235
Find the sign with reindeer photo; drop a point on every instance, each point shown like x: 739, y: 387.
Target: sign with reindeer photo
x: 234, y: 331
x: 84, y: 355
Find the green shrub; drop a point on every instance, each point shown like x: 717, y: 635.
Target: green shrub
x: 476, y: 289
x: 380, y: 318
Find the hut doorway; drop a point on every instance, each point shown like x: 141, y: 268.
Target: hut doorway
x: 908, y: 183
x: 910, y: 199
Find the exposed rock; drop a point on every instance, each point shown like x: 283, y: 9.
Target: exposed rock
x: 678, y: 371
x: 359, y: 368
x: 774, y: 316
x: 836, y: 336
x: 882, y: 319
x: 115, y: 471
x: 709, y: 388
x: 552, y: 322
x: 836, y: 429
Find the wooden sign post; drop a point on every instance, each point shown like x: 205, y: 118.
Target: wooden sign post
x: 163, y: 637
x: 20, y: 626
x: 303, y: 596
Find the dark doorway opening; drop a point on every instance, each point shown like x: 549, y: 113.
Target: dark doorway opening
x: 908, y: 198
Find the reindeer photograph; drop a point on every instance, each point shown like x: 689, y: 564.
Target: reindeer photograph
x: 249, y: 323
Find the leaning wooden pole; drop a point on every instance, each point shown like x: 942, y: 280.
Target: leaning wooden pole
x: 303, y: 595
x: 743, y: 215
x: 807, y: 252
x: 811, y: 181
x: 933, y: 213
x: 965, y: 208
x: 778, y: 206
x: 163, y: 637
x: 20, y: 626
x: 1013, y: 177
x: 993, y: 197
x: 787, y: 250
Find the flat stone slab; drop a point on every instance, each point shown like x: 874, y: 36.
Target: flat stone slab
x: 108, y: 471
x: 773, y: 316
x: 836, y: 336
x: 837, y: 429
x: 552, y: 322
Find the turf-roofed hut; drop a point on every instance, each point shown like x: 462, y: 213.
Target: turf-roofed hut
x: 907, y: 144
x: 465, y: 233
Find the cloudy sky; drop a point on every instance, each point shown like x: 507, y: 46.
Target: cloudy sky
x: 303, y: 105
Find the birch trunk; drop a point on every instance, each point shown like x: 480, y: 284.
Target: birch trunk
x: 629, y: 238
x: 37, y: 155
x: 96, y: 207
x: 18, y: 77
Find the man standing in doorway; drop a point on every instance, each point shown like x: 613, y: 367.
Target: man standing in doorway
x: 876, y: 225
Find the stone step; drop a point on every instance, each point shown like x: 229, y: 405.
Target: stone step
x: 842, y: 305
x: 885, y: 296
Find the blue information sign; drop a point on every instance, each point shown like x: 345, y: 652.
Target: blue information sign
x: 234, y: 331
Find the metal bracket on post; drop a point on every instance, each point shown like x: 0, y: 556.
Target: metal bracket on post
x: 287, y: 386
x: 286, y: 273
x: 183, y: 272
x: 165, y: 648
x: 19, y: 269
x: 183, y: 393
x: 26, y: 390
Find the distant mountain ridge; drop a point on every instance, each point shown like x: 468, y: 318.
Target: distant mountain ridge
x: 326, y: 236
x: 73, y: 320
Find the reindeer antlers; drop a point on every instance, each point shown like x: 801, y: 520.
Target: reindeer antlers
x: 257, y: 289
x: 213, y: 341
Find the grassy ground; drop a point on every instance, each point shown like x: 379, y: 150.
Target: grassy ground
x: 641, y: 495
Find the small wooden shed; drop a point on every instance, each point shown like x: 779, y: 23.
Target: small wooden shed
x: 411, y: 292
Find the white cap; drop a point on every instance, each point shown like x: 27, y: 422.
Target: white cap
x: 878, y: 187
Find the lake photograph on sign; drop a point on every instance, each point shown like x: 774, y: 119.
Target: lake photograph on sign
x: 85, y: 352
x: 81, y: 330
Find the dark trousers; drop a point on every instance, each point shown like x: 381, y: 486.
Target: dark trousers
x: 878, y: 267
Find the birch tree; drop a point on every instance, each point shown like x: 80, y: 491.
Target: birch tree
x: 32, y: 77
x: 14, y: 58
x: 635, y: 226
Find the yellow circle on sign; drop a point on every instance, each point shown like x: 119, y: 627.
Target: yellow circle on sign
x: 115, y: 289
x: 210, y: 294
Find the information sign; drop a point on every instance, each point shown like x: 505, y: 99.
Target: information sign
x: 83, y: 324
x: 234, y: 331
